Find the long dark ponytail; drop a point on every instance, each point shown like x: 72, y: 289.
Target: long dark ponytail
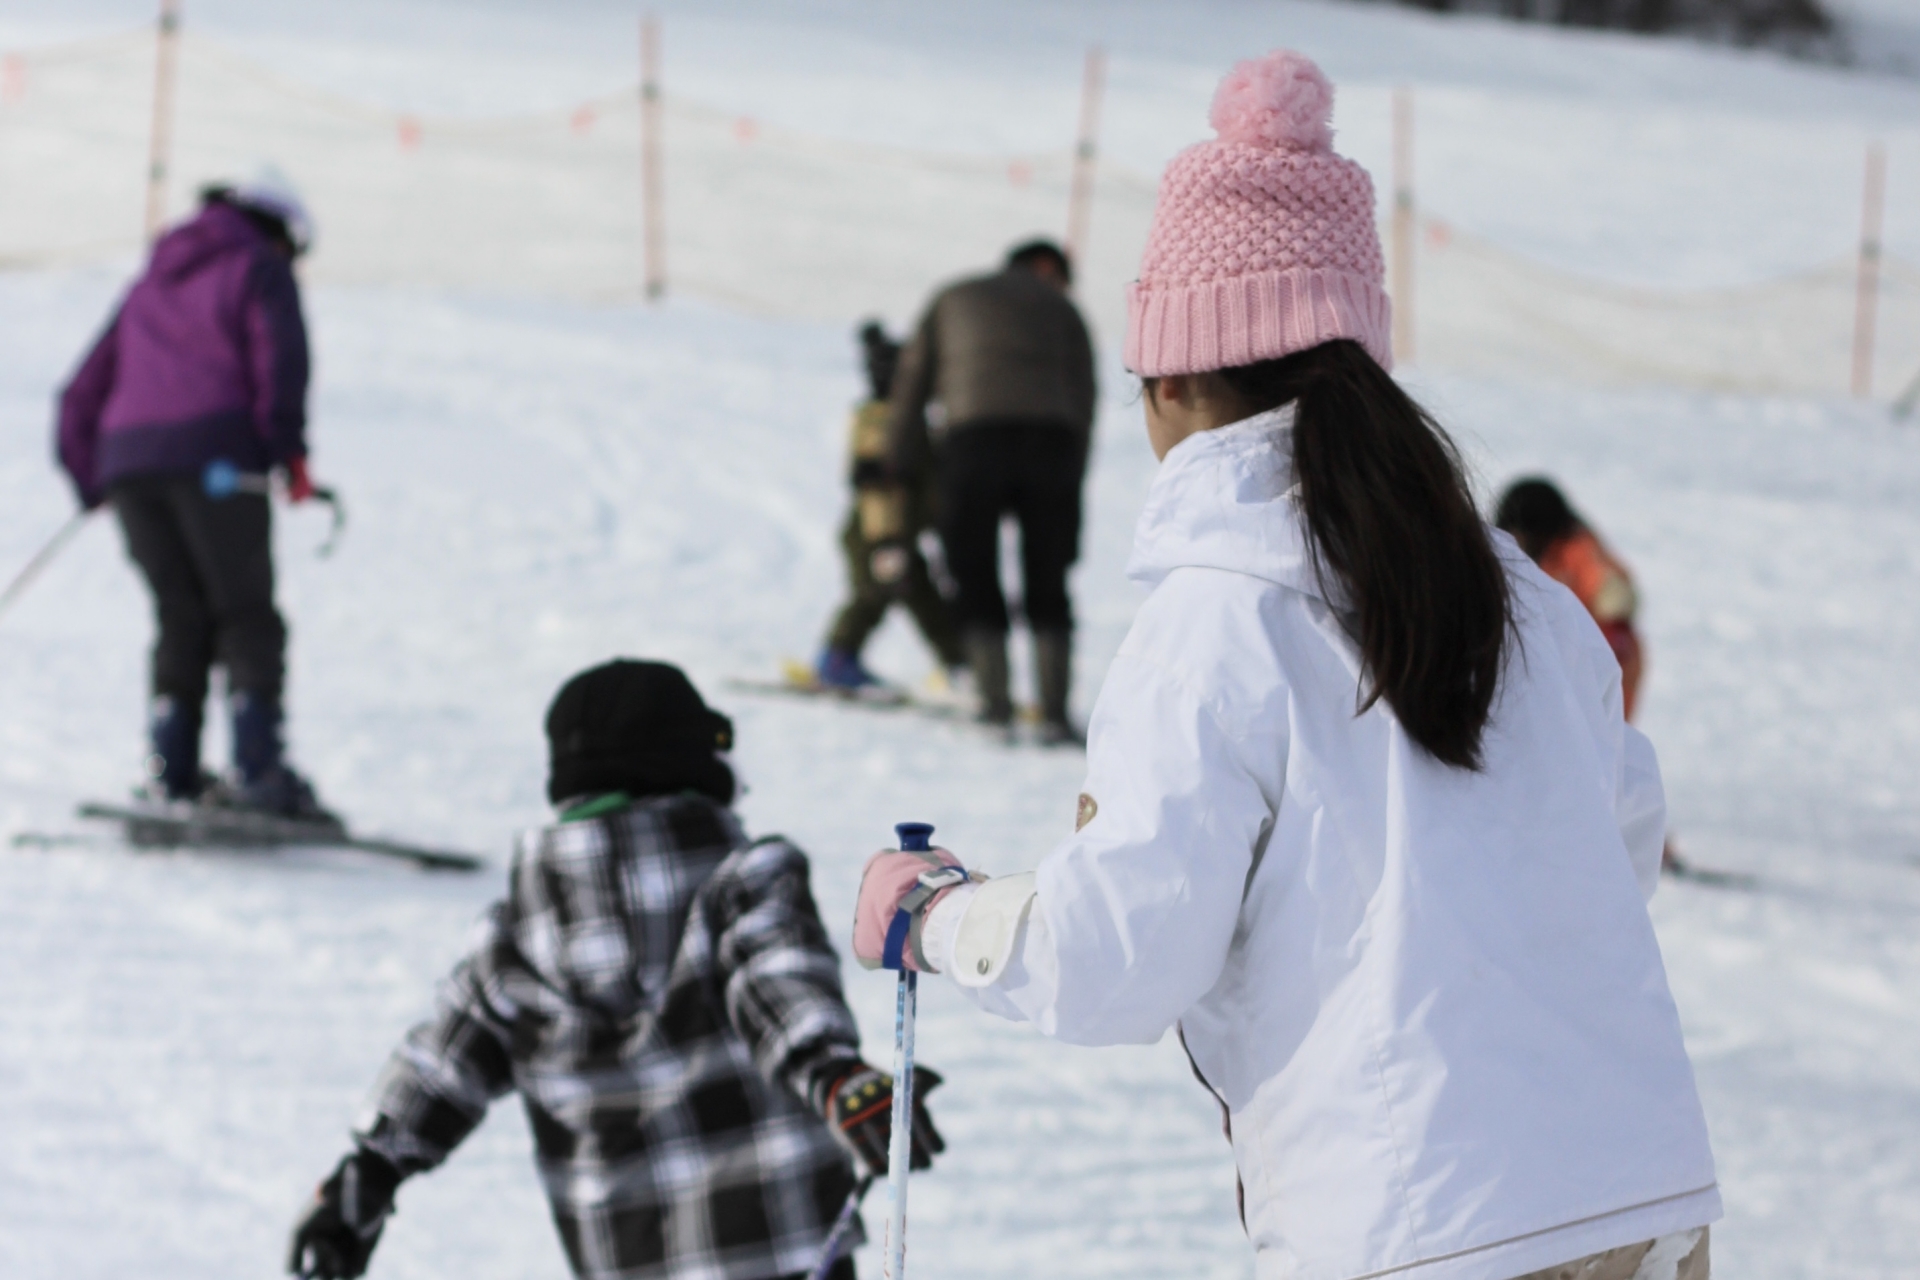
x: 1393, y: 522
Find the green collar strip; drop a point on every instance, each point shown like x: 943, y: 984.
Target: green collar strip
x: 596, y: 806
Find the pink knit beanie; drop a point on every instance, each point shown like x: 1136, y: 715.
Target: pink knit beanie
x: 1263, y: 241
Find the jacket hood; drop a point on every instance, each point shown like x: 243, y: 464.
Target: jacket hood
x: 1223, y: 499
x: 572, y: 913
x: 216, y: 230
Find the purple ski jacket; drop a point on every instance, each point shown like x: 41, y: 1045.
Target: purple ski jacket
x: 206, y: 359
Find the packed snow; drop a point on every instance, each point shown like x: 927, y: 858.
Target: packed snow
x: 536, y: 483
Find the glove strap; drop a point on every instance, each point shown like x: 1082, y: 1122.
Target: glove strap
x: 906, y: 927
x: 363, y: 1207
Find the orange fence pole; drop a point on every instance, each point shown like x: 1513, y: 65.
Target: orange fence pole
x: 1867, y: 290
x: 1085, y: 154
x: 652, y: 188
x: 1404, y: 223
x: 160, y: 151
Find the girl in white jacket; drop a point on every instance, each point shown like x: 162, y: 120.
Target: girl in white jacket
x: 1363, y: 817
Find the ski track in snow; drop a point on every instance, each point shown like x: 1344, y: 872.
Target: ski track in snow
x: 536, y: 486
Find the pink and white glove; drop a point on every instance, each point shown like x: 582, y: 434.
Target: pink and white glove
x: 897, y: 890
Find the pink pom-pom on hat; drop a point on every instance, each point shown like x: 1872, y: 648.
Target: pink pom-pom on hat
x: 1263, y: 240
x: 1281, y: 100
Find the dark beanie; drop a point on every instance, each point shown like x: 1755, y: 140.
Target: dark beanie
x: 883, y: 357
x: 1536, y: 513
x: 637, y: 727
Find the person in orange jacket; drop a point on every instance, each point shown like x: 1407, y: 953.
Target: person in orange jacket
x: 1552, y: 533
x: 1548, y: 529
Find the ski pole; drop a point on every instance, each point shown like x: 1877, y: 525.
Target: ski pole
x: 327, y: 495
x: 222, y: 479
x: 42, y: 558
x: 842, y: 1225
x: 913, y: 837
x: 1903, y: 407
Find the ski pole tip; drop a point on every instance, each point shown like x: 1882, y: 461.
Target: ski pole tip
x: 914, y: 836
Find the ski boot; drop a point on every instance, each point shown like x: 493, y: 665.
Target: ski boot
x: 263, y: 781
x: 1053, y: 675
x: 840, y: 671
x: 987, y: 659
x: 173, y: 763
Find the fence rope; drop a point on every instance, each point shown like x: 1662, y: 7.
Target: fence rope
x: 782, y: 221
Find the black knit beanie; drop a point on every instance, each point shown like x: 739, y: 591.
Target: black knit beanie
x: 637, y: 727
x: 1536, y: 513
x: 883, y: 357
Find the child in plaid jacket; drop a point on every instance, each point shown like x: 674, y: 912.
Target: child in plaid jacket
x: 661, y: 993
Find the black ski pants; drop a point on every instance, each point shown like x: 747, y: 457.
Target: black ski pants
x: 1031, y: 471
x: 209, y: 564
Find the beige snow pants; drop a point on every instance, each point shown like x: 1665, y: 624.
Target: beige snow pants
x: 1660, y: 1259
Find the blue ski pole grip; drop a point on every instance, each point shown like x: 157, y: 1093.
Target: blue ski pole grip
x: 913, y: 839
x: 221, y: 479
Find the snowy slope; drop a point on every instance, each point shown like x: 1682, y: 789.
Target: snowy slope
x: 536, y: 485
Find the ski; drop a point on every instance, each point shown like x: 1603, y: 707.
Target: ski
x: 1672, y: 864
x: 157, y: 826
x: 48, y: 840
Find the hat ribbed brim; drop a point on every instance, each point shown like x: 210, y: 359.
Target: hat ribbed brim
x: 1222, y: 324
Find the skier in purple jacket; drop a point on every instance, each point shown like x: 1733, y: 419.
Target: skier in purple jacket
x: 206, y: 362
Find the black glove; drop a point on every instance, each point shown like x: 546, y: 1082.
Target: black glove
x: 335, y: 1237
x: 858, y: 1102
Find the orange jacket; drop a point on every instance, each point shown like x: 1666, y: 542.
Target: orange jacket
x: 1602, y: 583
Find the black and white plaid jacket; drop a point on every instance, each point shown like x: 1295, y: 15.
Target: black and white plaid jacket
x: 662, y: 995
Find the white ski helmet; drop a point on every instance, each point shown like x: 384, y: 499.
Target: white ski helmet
x: 271, y: 192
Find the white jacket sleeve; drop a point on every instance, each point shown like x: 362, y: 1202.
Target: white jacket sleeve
x: 1640, y: 807
x: 1639, y: 800
x: 1131, y: 917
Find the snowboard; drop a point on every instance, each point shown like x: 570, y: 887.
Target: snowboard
x: 148, y: 825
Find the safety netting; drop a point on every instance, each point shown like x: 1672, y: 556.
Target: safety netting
x: 781, y: 222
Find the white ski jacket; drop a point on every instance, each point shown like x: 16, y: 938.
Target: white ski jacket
x: 1430, y: 1000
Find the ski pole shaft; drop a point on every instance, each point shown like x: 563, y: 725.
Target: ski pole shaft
x: 913, y: 836
x: 1903, y: 407
x: 222, y: 479
x: 900, y: 1147
x: 842, y: 1225
x: 42, y: 558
